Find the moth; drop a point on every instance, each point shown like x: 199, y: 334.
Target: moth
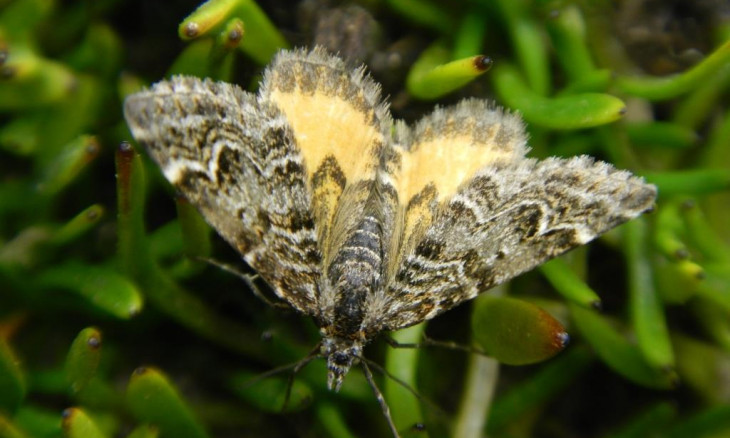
x: 361, y: 222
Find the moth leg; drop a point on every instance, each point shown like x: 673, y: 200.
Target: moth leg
x: 395, y: 344
x: 381, y: 400
x: 429, y: 342
x: 430, y: 404
x: 315, y: 353
x: 249, y: 279
x: 295, y: 367
x: 399, y: 381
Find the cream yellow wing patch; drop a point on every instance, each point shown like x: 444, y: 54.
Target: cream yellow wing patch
x: 445, y: 150
x: 338, y: 123
x: 325, y: 125
x: 450, y: 145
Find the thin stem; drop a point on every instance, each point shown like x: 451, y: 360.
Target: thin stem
x: 479, y: 387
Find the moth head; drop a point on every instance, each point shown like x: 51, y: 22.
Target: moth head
x: 341, y: 354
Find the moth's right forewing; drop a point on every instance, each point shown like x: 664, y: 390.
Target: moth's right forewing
x: 235, y: 159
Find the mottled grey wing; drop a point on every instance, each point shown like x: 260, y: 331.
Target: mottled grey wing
x: 504, y: 219
x: 235, y: 159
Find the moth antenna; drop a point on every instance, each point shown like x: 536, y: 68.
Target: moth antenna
x: 428, y: 342
x: 381, y: 400
x: 249, y: 279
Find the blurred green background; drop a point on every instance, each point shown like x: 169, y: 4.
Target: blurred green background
x: 109, y: 327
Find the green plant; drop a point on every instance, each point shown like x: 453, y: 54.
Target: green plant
x: 90, y: 251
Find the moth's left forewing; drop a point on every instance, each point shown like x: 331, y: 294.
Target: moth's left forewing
x: 545, y: 209
x: 446, y: 149
x: 432, y: 161
x: 493, y: 214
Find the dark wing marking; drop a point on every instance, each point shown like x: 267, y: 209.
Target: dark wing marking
x: 341, y: 128
x: 339, y: 122
x: 504, y: 219
x: 235, y: 158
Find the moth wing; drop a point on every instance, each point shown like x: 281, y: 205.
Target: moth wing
x: 340, y: 125
x: 237, y: 161
x: 489, y: 214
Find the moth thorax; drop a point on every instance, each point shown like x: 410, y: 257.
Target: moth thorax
x: 341, y: 354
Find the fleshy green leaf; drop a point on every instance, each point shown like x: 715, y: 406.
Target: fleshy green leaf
x: 529, y: 44
x: 423, y: 12
x: 647, y: 312
x: 434, y: 74
x: 617, y: 352
x: 516, y: 332
x: 103, y: 287
x: 67, y: 165
x: 403, y: 364
x: 31, y: 82
x: 568, y: 284
x: 9, y: 430
x: 651, y: 421
x: 12, y: 380
x: 539, y: 388
x: 261, y: 39
x: 153, y: 399
x: 690, y: 182
x: 77, y: 424
x: 78, y: 225
x: 38, y: 422
x: 195, y: 232
x: 575, y: 111
x: 144, y: 431
x: 269, y: 394
x: 660, y: 88
x: 83, y: 358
